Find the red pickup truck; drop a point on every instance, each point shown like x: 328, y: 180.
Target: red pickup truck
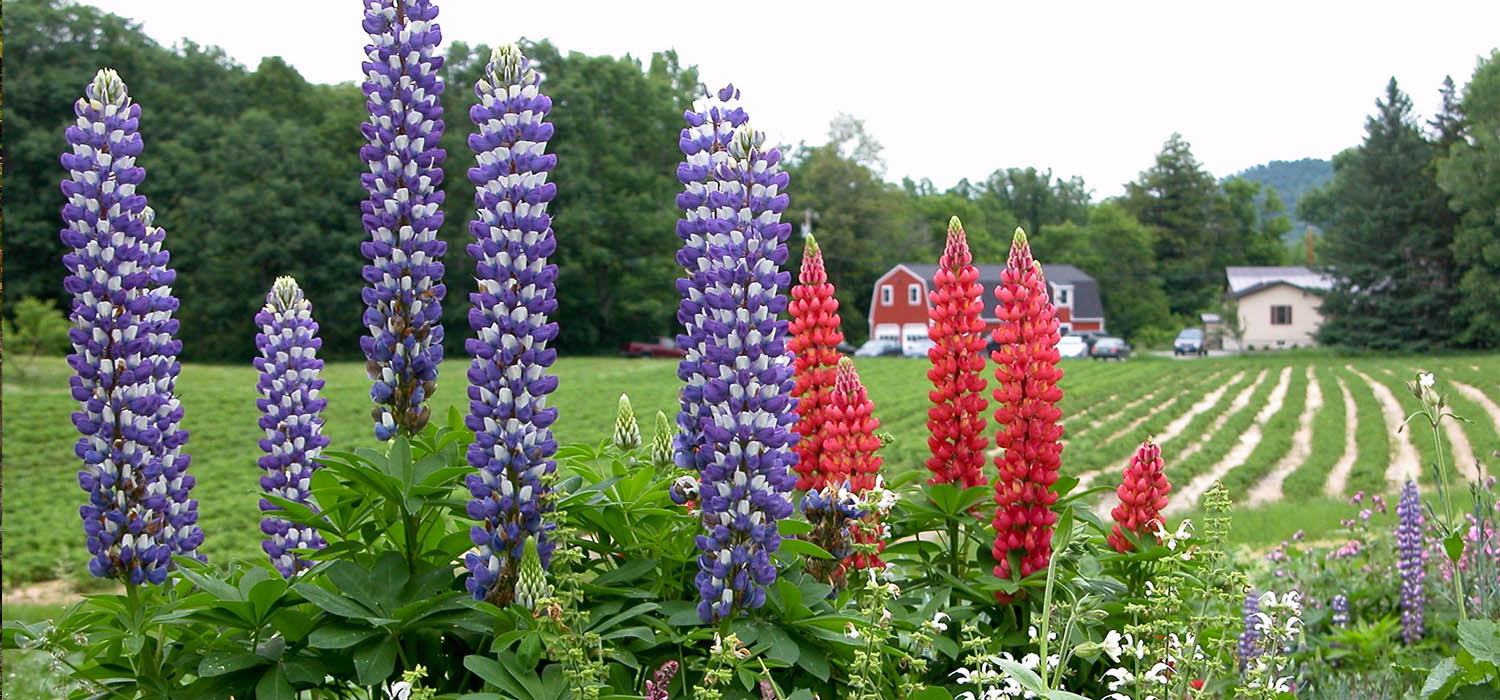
x: 662, y: 347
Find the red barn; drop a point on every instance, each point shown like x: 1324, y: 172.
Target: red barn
x: 898, y: 304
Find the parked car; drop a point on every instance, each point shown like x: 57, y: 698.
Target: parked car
x: 1072, y: 346
x: 917, y: 347
x: 661, y: 347
x: 878, y: 347
x: 1190, y: 342
x: 845, y: 347
x: 1110, y: 348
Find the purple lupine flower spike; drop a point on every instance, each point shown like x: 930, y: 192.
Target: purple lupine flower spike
x: 404, y: 295
x: 738, y: 369
x: 291, y: 416
x: 508, y: 379
x: 1249, y: 646
x: 1409, y: 561
x: 1340, y: 607
x: 124, y: 356
x: 705, y: 146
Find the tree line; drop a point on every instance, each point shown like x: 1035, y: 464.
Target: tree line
x: 254, y: 174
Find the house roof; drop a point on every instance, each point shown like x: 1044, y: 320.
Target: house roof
x: 1245, y: 280
x: 1086, y: 302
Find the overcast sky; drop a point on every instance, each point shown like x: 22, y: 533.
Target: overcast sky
x: 956, y: 90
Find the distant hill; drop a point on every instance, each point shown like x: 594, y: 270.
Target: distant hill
x: 1291, y: 179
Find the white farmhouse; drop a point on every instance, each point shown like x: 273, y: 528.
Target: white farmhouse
x: 1278, y: 306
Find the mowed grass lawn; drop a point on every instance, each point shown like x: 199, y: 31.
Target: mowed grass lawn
x: 1211, y: 404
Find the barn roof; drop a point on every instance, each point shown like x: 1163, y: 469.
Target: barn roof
x: 1245, y: 280
x: 1086, y: 302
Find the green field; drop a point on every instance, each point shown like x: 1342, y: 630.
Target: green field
x: 1108, y: 408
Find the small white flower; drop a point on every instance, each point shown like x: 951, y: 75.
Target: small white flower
x: 938, y: 621
x: 1121, y: 677
x: 1031, y: 661
x: 851, y: 631
x: 885, y: 616
x: 1426, y: 379
x: 401, y: 690
x: 1158, y: 673
x: 1111, y: 646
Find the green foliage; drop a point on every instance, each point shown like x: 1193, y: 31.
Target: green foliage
x: 862, y: 225
x: 35, y: 328
x: 1116, y: 250
x: 1388, y: 239
x: 1036, y: 200
x: 255, y: 174
x: 1469, y: 177
x: 1290, y: 180
x: 1177, y: 198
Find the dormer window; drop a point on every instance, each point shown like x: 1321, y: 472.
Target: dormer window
x: 913, y: 294
x: 1063, y: 294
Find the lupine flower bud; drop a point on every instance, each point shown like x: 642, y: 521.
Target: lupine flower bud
x: 1143, y: 495
x: 814, y: 338
x: 849, y: 449
x: 125, y: 348
x: 291, y: 415
x: 508, y: 378
x: 955, y: 422
x: 627, y: 432
x: 1249, y: 646
x: 657, y: 688
x: 1410, y: 563
x: 737, y: 408
x: 531, y: 582
x: 833, y: 511
x: 1340, y: 605
x: 850, y: 443
x: 404, y: 295
x: 661, y: 442
x: 1030, y: 433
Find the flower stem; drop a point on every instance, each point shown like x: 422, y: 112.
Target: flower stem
x: 1449, y: 526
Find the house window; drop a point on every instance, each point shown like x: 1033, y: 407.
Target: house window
x: 887, y: 295
x: 1064, y: 296
x: 1281, y: 315
x: 913, y: 294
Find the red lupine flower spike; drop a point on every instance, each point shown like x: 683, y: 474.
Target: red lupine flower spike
x: 1030, y: 433
x: 955, y: 422
x: 813, y: 338
x: 1143, y: 495
x: 849, y: 451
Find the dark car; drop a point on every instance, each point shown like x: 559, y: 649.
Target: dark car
x: 662, y: 347
x: 1109, y: 348
x: 1190, y: 342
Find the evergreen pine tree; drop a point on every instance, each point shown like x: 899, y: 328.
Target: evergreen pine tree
x: 1388, y: 237
x: 1470, y: 175
x: 1184, y: 205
